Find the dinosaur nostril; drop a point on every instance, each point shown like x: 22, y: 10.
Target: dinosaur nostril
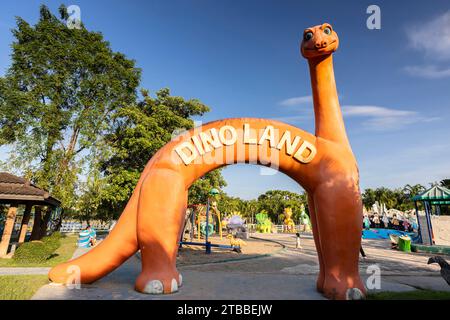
x: 324, y: 44
x: 317, y: 45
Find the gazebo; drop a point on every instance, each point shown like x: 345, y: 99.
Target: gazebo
x: 16, y: 191
x: 435, y: 196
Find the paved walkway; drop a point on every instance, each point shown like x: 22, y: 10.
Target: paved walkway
x: 287, y: 274
x: 5, y: 271
x: 22, y: 271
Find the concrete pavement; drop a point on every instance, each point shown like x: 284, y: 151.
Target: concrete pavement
x: 287, y: 274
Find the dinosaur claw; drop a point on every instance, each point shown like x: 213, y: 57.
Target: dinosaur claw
x: 354, y: 294
x: 174, y: 286
x: 154, y: 287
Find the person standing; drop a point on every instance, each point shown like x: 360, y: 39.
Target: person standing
x: 366, y: 222
x: 376, y: 220
x: 297, y: 241
x: 395, y: 222
x: 385, y: 221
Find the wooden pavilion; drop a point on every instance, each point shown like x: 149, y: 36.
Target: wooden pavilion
x: 19, y: 193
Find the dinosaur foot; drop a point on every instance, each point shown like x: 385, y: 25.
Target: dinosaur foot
x: 345, y: 288
x: 320, y: 281
x: 159, y: 282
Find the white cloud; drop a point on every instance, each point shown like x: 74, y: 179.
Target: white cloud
x: 381, y: 118
x: 375, y: 111
x: 372, y: 117
x: 430, y: 71
x: 295, y: 101
x: 432, y: 37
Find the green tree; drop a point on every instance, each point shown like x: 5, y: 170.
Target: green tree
x: 275, y: 201
x: 396, y: 198
x: 138, y: 132
x: 57, y: 99
x: 413, y: 190
x: 369, y: 198
x: 198, y: 192
x: 445, y: 183
x: 227, y: 205
x: 88, y: 204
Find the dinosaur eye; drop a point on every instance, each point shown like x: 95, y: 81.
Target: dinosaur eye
x: 308, y: 36
x: 327, y: 30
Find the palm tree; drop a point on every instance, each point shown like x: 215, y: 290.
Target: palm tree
x: 414, y: 190
x: 445, y: 183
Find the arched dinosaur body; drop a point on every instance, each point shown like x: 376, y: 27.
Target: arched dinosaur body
x: 322, y: 163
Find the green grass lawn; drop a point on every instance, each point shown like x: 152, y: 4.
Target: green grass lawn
x: 62, y: 254
x: 20, y: 287
x: 410, y: 295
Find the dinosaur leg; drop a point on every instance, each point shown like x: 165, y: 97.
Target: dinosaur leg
x: 339, y: 222
x: 312, y: 212
x: 117, y: 247
x: 162, y: 206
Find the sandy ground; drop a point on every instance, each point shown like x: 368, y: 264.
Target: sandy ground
x: 189, y: 254
x: 265, y: 270
x: 441, y: 229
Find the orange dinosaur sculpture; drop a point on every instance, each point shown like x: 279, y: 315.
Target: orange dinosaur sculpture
x: 322, y: 163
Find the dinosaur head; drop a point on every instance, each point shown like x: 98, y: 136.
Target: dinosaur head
x: 319, y: 41
x: 437, y: 259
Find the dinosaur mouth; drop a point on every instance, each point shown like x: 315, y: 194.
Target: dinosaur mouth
x: 320, y: 49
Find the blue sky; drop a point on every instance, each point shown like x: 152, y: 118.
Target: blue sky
x: 242, y: 59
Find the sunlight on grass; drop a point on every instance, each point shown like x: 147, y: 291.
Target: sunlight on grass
x: 20, y: 287
x: 62, y: 254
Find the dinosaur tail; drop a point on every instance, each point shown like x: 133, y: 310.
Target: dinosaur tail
x: 117, y: 247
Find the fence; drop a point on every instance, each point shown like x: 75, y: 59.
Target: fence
x: 278, y: 228
x: 76, y: 226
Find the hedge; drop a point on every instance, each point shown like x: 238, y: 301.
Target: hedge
x: 38, y: 251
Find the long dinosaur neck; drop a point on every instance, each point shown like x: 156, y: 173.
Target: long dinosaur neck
x: 329, y: 122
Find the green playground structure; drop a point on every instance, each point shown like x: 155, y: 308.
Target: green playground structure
x: 263, y: 223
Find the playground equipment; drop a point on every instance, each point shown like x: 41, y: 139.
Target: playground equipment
x: 235, y: 225
x: 304, y: 219
x: 204, y: 227
x: 198, y: 220
x: 263, y: 223
x: 236, y: 243
x: 402, y: 242
x: 288, y: 222
x: 322, y: 163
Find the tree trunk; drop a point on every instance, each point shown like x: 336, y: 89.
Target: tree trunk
x: 36, y: 224
x: 44, y: 224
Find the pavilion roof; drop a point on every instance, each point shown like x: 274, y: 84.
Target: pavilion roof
x: 18, y: 189
x: 436, y: 195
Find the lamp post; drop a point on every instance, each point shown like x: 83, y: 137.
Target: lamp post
x: 212, y: 193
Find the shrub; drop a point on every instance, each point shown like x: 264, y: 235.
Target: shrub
x: 38, y: 251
